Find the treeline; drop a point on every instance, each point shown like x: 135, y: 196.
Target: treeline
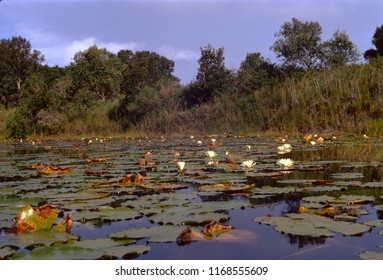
x: 319, y: 85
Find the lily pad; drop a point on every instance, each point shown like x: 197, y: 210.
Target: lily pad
x: 347, y: 175
x: 156, y: 234
x: 31, y: 239
x: 374, y: 223
x: 6, y: 251
x: 371, y: 255
x: 312, y: 225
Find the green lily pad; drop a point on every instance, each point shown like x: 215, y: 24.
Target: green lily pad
x: 275, y: 190
x: 107, y: 213
x: 29, y: 239
x: 157, y: 234
x: 347, y: 175
x: 318, y: 199
x: 346, y: 218
x: 374, y: 223
x: 187, y: 215
x: 371, y: 255
x: 6, y: 251
x: 379, y: 207
x: 312, y: 225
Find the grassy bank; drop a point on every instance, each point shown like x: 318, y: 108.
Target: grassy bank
x: 347, y: 99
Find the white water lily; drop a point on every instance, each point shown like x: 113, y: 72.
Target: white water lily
x: 248, y: 163
x: 284, y: 149
x: 210, y: 154
x: 211, y: 162
x: 285, y: 162
x: 313, y: 143
x: 181, y: 165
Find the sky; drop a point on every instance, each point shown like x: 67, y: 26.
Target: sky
x: 177, y: 29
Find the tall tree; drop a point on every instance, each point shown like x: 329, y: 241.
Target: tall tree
x: 96, y: 70
x: 143, y: 69
x: 17, y: 62
x: 299, y: 44
x: 377, y: 41
x: 338, y: 51
x: 255, y: 72
x: 212, y: 76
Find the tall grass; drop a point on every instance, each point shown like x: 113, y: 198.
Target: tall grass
x: 348, y: 99
x: 95, y: 121
x: 5, y: 115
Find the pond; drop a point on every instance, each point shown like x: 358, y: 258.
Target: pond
x: 129, y: 198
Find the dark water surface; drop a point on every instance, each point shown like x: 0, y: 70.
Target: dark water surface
x: 353, y: 166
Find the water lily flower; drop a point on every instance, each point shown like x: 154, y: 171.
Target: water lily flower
x: 210, y: 154
x: 313, y: 142
x: 181, y: 165
x: 199, y: 142
x: 284, y: 149
x: 248, y: 163
x: 211, y: 162
x: 285, y: 162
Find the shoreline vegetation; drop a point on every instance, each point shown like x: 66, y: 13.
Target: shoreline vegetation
x: 319, y: 87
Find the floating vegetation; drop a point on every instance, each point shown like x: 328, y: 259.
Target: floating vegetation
x: 126, y: 197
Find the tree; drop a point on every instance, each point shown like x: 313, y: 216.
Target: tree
x: 33, y: 98
x: 212, y: 75
x: 96, y: 70
x: 255, y: 72
x: 377, y: 41
x: 338, y: 51
x: 17, y: 62
x: 299, y: 44
x: 143, y: 69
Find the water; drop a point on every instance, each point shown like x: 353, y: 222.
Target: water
x: 347, y: 163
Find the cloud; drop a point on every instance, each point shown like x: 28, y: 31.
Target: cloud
x: 175, y: 54
x: 62, y: 54
x: 60, y: 51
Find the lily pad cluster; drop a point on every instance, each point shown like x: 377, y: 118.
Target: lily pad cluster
x: 119, y: 198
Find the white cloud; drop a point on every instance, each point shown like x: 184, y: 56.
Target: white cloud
x: 58, y: 51
x: 62, y: 54
x: 176, y: 54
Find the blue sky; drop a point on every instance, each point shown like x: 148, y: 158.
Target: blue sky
x: 178, y: 28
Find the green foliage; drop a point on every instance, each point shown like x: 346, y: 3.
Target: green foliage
x: 212, y: 75
x: 299, y: 44
x: 145, y: 101
x: 96, y: 70
x: 142, y: 69
x: 256, y: 72
x: 338, y: 51
x: 17, y: 62
x: 377, y: 41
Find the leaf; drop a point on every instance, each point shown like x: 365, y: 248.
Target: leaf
x: 374, y: 223
x: 90, y: 160
x: 38, y: 218
x: 214, y: 229
x: 312, y: 225
x: 156, y: 234
x: 33, y: 219
x: 53, y: 170
x: 6, y: 251
x: 370, y: 255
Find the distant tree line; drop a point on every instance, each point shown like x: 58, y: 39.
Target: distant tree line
x: 141, y: 82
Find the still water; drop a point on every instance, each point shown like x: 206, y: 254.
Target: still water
x: 103, y: 208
